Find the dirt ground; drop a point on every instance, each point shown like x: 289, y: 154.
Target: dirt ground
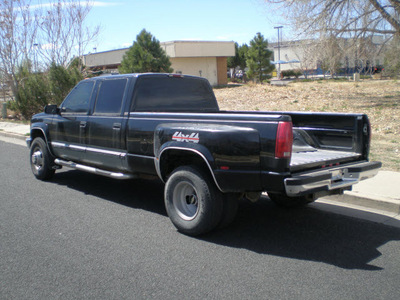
x: 379, y: 99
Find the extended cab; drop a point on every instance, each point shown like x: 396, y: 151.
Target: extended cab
x: 170, y: 126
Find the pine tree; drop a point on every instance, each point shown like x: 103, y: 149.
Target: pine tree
x: 239, y: 60
x: 145, y: 55
x: 62, y: 80
x: 258, y: 58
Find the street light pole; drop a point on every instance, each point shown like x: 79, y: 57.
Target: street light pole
x: 355, y: 42
x: 279, y: 52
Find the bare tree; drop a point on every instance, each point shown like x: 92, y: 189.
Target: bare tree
x: 345, y: 27
x: 330, y: 53
x: 305, y: 52
x: 50, y: 32
x: 63, y: 32
x: 342, y: 16
x: 17, y: 36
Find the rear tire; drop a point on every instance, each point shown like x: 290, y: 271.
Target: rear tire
x: 193, y: 202
x: 229, y: 209
x: 40, y: 160
x: 290, y: 202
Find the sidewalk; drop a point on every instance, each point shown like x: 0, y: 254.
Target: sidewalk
x: 14, y: 129
x: 381, y: 193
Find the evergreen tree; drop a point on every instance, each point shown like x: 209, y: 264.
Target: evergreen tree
x: 243, y: 49
x: 36, y: 89
x: 33, y: 92
x: 258, y: 58
x: 62, y: 80
x: 145, y: 55
x: 239, y: 60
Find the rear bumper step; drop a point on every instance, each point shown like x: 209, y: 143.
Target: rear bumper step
x: 329, y: 180
x: 92, y: 170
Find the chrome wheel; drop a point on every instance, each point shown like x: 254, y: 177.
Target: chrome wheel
x: 37, y: 159
x: 186, y: 201
x: 41, y: 160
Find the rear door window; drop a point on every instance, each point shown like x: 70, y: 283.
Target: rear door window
x: 110, y: 96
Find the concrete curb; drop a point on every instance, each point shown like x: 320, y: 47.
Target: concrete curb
x: 366, y: 201
x: 14, y: 135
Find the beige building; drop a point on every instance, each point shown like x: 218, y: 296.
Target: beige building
x: 200, y: 58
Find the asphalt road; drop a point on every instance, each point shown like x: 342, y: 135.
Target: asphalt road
x: 82, y: 236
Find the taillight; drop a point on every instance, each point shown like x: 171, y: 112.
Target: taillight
x: 284, y: 140
x: 175, y: 75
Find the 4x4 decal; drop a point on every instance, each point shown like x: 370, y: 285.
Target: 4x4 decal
x: 188, y: 138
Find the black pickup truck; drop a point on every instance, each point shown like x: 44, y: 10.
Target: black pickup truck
x: 170, y: 126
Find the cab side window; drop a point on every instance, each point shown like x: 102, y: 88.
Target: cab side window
x: 78, y: 99
x: 110, y: 96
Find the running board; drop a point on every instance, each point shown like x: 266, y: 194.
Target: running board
x: 93, y: 170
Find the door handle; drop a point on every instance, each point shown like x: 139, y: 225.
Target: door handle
x: 117, y: 126
x: 82, y: 124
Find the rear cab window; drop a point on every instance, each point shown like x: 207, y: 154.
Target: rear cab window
x: 173, y: 94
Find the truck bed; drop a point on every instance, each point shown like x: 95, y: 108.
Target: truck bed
x: 309, y: 159
x: 307, y: 153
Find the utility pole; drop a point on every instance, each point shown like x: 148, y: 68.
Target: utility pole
x: 279, y: 52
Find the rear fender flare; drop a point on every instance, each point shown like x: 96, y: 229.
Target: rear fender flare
x: 200, y: 151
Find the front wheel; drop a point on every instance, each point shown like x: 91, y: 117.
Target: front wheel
x: 40, y: 160
x: 193, y: 202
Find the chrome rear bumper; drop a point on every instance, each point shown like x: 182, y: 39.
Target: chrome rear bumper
x: 341, y: 177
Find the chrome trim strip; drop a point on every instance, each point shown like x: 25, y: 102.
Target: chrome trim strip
x: 324, y: 129
x: 75, y: 147
x: 210, y: 114
x: 88, y: 149
x: 207, y: 120
x: 141, y: 156
x: 58, y: 145
x: 108, y: 152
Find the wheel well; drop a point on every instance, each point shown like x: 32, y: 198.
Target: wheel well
x: 37, y: 133
x: 172, y: 159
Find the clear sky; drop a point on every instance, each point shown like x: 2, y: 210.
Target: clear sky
x: 171, y: 20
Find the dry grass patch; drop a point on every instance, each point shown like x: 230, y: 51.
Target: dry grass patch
x: 379, y: 99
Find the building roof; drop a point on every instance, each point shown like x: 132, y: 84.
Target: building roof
x: 174, y: 49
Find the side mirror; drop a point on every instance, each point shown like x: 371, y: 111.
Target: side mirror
x: 51, y: 109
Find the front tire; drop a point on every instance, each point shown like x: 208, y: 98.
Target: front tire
x: 40, y: 160
x: 193, y: 202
